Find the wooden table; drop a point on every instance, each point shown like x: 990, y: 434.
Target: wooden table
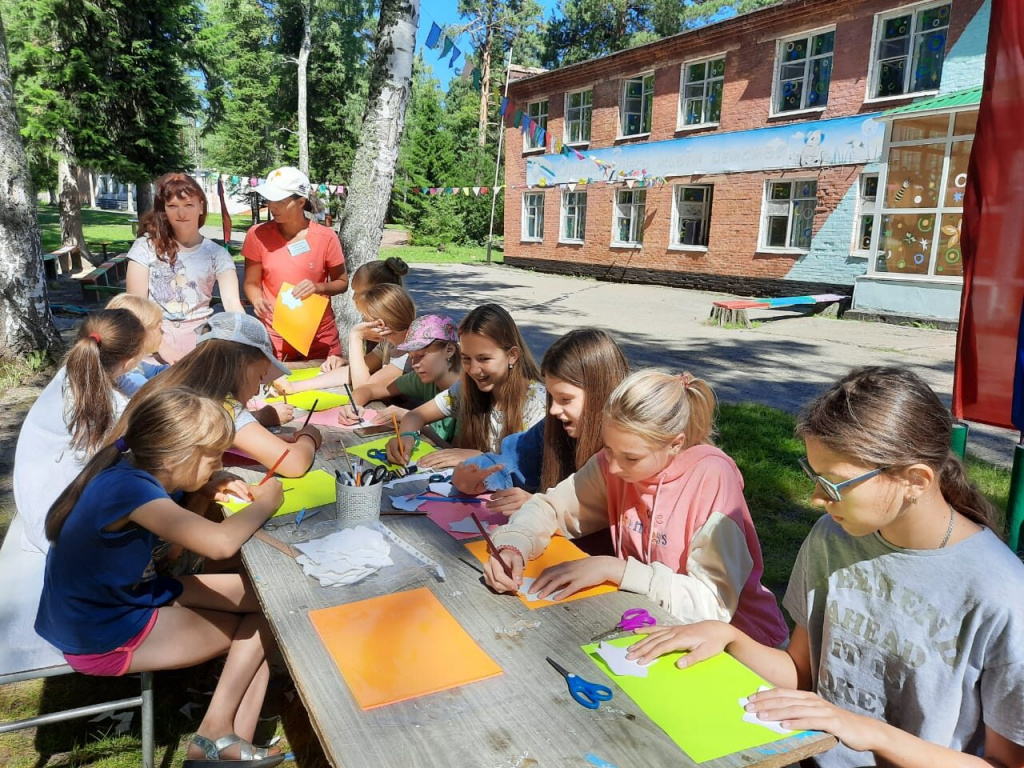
x: 524, y: 717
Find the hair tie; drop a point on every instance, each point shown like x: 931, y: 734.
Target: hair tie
x: 122, y: 445
x: 686, y: 379
x: 95, y: 337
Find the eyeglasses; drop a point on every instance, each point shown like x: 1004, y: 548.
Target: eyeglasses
x: 833, y: 490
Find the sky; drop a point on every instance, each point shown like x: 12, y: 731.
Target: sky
x: 445, y: 13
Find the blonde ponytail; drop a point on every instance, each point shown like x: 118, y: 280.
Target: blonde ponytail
x: 659, y: 406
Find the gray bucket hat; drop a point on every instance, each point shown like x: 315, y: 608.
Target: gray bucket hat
x: 241, y: 329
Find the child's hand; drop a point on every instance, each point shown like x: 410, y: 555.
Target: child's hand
x: 271, y: 492
x: 469, y: 478
x: 313, y: 432
x: 401, y: 457
x: 569, y: 578
x: 372, y: 330
x: 222, y: 486
x: 508, y: 501
x: 282, y: 386
x: 806, y: 711
x: 347, y: 416
x: 276, y: 414
x: 384, y: 415
x: 447, y: 457
x: 495, y: 576
x: 332, y: 362
x: 703, y: 640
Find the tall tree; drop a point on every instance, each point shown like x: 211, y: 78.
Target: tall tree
x: 302, y: 62
x: 373, y: 170
x: 25, y: 320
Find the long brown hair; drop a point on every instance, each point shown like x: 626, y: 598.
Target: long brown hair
x: 889, y: 417
x: 390, y: 270
x: 106, y: 340
x: 162, y: 433
x: 474, y: 424
x: 590, y: 359
x: 659, y: 406
x: 155, y: 223
x: 390, y: 303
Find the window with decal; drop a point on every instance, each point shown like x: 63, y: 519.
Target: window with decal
x: 630, y: 208
x: 787, y: 219
x: 574, y: 216
x: 700, y: 100
x: 867, y: 198
x: 637, y: 105
x: 804, y: 71
x: 578, y: 108
x: 692, y: 215
x: 910, y: 48
x: 538, y: 111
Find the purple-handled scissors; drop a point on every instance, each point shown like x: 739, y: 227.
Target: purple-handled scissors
x: 633, y: 619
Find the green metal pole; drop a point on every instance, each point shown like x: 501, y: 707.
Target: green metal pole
x: 958, y: 442
x: 1015, y: 504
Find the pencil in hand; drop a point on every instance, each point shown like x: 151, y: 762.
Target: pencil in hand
x: 310, y: 414
x: 398, y: 437
x: 270, y: 472
x: 492, y: 549
x: 352, y: 400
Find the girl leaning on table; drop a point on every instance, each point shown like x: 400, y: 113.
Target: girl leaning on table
x: 124, y: 617
x: 232, y: 358
x: 499, y: 394
x: 580, y: 371
x: 673, y: 503
x: 909, y: 637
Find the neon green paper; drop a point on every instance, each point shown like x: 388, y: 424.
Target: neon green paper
x: 362, y: 450
x: 698, y: 707
x: 303, y: 374
x: 305, y: 400
x: 314, y: 489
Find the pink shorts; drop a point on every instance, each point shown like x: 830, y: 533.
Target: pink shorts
x: 112, y: 663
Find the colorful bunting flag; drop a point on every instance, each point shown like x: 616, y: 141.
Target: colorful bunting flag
x: 504, y: 106
x: 434, y: 37
x: 455, y: 55
x: 448, y: 45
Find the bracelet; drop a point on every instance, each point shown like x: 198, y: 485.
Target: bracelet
x: 306, y: 434
x: 415, y: 436
x: 510, y: 548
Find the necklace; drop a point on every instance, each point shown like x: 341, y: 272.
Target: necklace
x: 949, y: 531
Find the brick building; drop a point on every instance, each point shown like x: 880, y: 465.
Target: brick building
x: 746, y: 156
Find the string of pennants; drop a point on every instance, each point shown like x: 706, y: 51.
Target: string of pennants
x: 466, y: 191
x: 438, y: 38
x: 323, y: 189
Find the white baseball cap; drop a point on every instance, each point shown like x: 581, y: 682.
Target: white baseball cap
x: 284, y: 182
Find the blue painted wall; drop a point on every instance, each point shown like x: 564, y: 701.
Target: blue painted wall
x: 965, y: 65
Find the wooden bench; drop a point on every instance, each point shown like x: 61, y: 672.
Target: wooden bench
x: 105, y: 280
x: 68, y: 257
x: 26, y: 656
x: 734, y: 311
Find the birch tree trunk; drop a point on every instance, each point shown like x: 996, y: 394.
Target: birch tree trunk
x: 70, y: 201
x: 303, y: 62
x: 485, y: 88
x: 25, y: 320
x: 373, y: 169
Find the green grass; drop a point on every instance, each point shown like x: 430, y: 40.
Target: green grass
x: 452, y: 254
x: 240, y: 222
x: 97, y: 226
x: 759, y: 438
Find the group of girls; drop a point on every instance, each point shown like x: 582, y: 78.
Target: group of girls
x: 903, y: 648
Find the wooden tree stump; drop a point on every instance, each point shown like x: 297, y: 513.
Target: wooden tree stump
x: 722, y: 316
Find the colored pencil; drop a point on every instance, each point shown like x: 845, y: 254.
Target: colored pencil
x: 351, y: 400
x: 310, y: 414
x: 491, y: 548
x: 270, y: 472
x: 398, y: 436
x: 459, y: 499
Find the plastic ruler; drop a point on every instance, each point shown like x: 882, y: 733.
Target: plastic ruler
x: 409, y: 549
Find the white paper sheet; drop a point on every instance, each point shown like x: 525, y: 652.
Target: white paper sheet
x: 753, y: 719
x: 615, y: 657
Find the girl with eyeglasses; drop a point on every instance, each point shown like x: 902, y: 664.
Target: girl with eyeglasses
x: 909, y: 637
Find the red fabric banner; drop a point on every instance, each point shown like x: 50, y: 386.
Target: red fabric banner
x: 993, y: 231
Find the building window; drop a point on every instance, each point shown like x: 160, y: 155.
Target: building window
x: 910, y: 48
x: 692, y: 216
x: 578, y: 106
x: 630, y: 205
x: 538, y: 112
x: 788, y: 214
x: 867, y: 195
x: 574, y: 216
x: 701, y: 99
x: 533, y: 216
x: 637, y: 105
x: 804, y: 72
x: 921, y: 196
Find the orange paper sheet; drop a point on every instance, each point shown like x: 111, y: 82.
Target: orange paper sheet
x: 298, y: 326
x: 560, y: 550
x: 398, y: 647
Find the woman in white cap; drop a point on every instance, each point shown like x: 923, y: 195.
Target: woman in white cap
x: 293, y: 248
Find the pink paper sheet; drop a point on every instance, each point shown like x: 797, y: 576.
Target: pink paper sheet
x: 444, y: 513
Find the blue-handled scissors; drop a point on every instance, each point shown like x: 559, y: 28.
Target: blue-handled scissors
x: 586, y: 693
x: 378, y: 454
x: 633, y: 619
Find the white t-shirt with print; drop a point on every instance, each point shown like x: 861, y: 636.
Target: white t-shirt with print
x: 534, y: 409
x: 183, y: 289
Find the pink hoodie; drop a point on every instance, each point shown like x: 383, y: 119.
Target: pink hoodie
x: 657, y: 521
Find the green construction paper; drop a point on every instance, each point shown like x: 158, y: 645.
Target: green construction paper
x: 305, y: 400
x: 303, y: 374
x: 362, y: 450
x: 314, y: 489
x: 698, y: 707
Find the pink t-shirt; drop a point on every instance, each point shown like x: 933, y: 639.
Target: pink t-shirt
x: 655, y: 520
x: 311, y: 261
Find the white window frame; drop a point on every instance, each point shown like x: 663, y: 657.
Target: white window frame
x: 876, y: 37
x: 762, y: 235
x: 580, y: 214
x: 677, y: 191
x: 643, y: 99
x: 541, y: 118
x: 537, y: 215
x: 780, y: 48
x: 708, y: 81
x: 636, y: 221
x: 587, y: 109
x: 883, y: 211
x: 866, y: 207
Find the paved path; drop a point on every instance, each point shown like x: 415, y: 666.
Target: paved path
x: 782, y: 363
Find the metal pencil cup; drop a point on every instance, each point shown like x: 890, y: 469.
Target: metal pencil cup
x: 358, y: 504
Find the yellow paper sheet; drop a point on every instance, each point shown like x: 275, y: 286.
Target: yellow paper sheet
x: 298, y: 326
x: 314, y: 489
x: 362, y: 450
x: 560, y: 550
x: 698, y: 707
x: 400, y: 646
x: 303, y: 374
x: 304, y: 400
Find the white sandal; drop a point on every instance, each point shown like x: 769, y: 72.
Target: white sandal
x: 249, y: 756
